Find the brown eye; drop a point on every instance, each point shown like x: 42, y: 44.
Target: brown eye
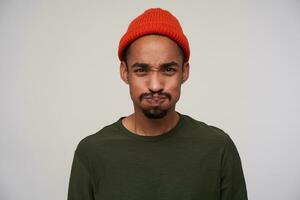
x: 170, y: 70
x: 140, y: 70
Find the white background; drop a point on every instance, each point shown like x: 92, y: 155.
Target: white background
x: 59, y: 82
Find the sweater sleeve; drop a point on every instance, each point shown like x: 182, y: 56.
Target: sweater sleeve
x: 233, y: 186
x: 80, y: 183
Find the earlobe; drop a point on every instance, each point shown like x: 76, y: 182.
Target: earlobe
x: 124, y: 71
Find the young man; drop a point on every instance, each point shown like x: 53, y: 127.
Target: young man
x: 156, y: 153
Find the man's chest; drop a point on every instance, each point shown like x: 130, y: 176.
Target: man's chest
x: 152, y: 172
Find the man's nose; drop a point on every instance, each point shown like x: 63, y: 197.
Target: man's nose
x: 155, y: 83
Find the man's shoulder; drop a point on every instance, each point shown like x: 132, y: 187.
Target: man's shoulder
x: 92, y: 141
x: 203, y: 129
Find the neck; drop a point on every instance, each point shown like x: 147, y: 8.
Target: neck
x: 139, y: 124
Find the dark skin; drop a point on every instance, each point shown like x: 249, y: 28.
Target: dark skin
x: 154, y: 71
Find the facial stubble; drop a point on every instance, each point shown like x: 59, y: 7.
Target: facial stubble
x: 156, y: 112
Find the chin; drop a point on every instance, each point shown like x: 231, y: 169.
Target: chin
x: 155, y: 113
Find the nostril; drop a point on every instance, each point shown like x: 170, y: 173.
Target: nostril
x: 155, y: 91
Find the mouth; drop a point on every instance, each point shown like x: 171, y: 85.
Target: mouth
x: 155, y: 100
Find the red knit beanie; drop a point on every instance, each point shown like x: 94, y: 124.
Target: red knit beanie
x: 155, y: 21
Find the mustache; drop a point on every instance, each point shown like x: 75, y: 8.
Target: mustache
x: 151, y: 95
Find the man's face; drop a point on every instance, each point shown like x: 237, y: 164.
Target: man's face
x: 154, y: 71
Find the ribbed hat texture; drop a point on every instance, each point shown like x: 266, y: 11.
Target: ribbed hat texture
x: 155, y: 21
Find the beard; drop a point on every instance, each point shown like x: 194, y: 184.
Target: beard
x: 155, y: 113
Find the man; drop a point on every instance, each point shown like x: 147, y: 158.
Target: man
x: 156, y: 153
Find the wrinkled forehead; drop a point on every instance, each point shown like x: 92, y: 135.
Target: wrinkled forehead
x: 154, y: 50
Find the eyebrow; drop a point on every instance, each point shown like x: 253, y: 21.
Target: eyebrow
x: 164, y: 65
x: 169, y: 64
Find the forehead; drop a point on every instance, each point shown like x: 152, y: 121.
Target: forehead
x: 154, y: 49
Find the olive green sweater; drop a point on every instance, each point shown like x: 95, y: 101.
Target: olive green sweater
x: 191, y: 161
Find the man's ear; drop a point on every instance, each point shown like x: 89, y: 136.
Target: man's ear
x: 124, y: 71
x: 185, y: 71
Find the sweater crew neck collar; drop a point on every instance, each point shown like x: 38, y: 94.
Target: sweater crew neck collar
x: 150, y: 138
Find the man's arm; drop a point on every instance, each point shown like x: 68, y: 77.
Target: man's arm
x: 233, y: 186
x: 80, y: 183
